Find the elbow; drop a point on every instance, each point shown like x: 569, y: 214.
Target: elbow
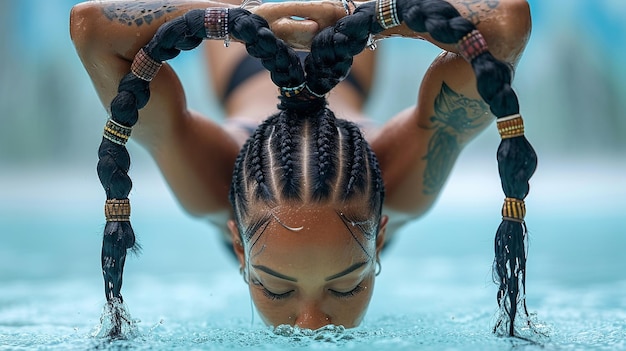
x: 508, y: 31
x: 77, y: 23
x: 83, y: 18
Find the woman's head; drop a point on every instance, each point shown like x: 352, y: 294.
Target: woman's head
x: 311, y: 265
x: 307, y: 197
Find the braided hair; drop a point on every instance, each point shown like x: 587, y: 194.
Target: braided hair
x: 304, y: 153
x: 331, y: 56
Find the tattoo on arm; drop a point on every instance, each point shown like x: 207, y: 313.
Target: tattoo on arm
x: 473, y: 8
x: 455, y: 115
x: 137, y: 12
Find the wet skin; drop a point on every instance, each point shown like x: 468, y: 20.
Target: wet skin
x: 310, y: 266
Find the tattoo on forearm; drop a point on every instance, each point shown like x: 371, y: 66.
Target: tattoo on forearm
x: 472, y: 8
x: 137, y: 12
x: 455, y: 115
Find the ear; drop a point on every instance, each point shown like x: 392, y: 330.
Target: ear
x: 382, y: 230
x: 237, y: 244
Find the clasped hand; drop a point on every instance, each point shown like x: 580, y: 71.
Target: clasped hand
x: 297, y: 22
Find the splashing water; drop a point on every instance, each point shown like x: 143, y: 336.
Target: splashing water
x: 329, y: 333
x: 116, y: 322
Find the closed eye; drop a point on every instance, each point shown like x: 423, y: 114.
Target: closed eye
x: 271, y: 295
x: 347, y: 294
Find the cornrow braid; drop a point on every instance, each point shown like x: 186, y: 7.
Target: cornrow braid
x: 325, y: 163
x: 257, y: 161
x: 237, y: 193
x: 517, y: 160
x: 303, y: 116
x: 286, y: 142
x: 355, y: 182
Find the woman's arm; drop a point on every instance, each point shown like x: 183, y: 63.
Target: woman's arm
x: 418, y: 148
x: 194, y: 154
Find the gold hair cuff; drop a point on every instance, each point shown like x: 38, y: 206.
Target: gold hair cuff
x: 144, y: 67
x: 513, y: 210
x: 472, y: 45
x: 116, y: 132
x: 292, y: 91
x: 387, y: 13
x: 511, y: 126
x: 216, y: 24
x: 117, y: 210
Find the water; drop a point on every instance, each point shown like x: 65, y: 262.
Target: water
x: 435, y: 291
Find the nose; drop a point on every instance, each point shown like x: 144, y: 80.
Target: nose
x: 312, y: 317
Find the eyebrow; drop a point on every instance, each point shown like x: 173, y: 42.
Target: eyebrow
x: 274, y: 273
x: 350, y: 269
x: 347, y: 271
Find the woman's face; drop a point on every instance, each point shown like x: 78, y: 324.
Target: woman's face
x: 310, y: 266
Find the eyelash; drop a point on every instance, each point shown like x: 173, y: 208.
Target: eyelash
x: 348, y: 294
x: 273, y: 296
x: 270, y: 295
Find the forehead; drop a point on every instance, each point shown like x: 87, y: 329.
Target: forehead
x: 310, y: 233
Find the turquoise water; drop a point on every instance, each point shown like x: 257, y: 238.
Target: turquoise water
x: 435, y: 291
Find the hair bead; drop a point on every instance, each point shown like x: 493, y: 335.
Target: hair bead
x: 387, y: 13
x: 116, y: 132
x: 216, y: 24
x: 513, y: 210
x: 472, y: 45
x: 144, y: 66
x: 511, y: 126
x: 292, y: 91
x: 117, y: 210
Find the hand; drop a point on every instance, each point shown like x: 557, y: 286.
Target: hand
x: 311, y: 18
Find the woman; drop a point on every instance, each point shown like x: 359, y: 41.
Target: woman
x: 304, y: 204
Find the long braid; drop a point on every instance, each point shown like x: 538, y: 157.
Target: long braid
x: 183, y: 33
x: 517, y: 160
x: 333, y: 49
x: 279, y: 59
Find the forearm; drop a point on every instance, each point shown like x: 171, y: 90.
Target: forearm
x: 121, y: 28
x: 505, y: 24
x: 107, y: 36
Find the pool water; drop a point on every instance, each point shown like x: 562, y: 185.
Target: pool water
x: 435, y: 292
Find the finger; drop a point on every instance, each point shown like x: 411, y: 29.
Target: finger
x: 324, y: 13
x: 297, y: 33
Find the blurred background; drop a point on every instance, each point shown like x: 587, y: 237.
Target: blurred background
x: 571, y: 83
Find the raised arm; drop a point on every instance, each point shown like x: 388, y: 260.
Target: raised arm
x: 418, y: 148
x: 195, y: 154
